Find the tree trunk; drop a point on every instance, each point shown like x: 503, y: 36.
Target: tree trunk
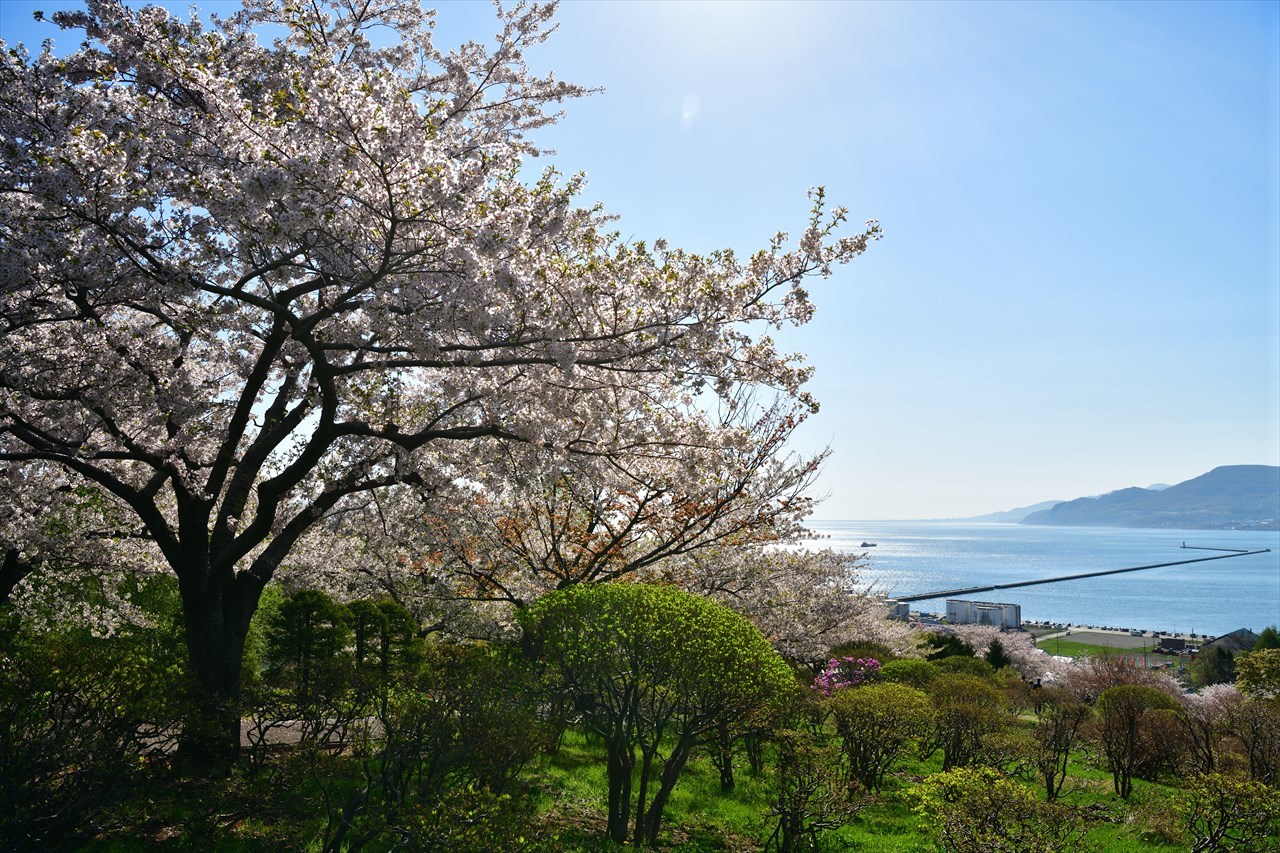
x: 646, y: 763
x: 621, y: 762
x: 216, y: 618
x: 666, y: 784
x: 12, y: 571
x: 723, y: 752
x: 754, y: 744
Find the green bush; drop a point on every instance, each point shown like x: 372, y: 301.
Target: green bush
x: 967, y: 709
x: 650, y: 666
x: 976, y: 810
x: 962, y: 665
x: 77, y: 715
x: 1222, y: 813
x: 863, y: 649
x: 1123, y: 715
x: 878, y: 724
x: 913, y: 673
x: 456, y: 735
x: 811, y: 793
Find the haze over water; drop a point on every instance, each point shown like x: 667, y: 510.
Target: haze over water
x: 1213, y: 597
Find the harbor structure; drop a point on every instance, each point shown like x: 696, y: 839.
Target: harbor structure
x: 999, y: 615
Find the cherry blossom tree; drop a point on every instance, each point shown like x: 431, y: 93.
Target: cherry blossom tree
x: 535, y: 521
x: 467, y: 557
x: 67, y: 549
x: 1018, y: 646
x: 253, y: 276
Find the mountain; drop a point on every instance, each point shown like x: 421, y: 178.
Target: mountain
x: 1233, y: 496
x: 1013, y: 516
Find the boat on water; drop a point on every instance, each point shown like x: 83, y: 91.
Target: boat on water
x: 868, y: 544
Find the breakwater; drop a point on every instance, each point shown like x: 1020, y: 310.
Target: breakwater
x: 970, y: 590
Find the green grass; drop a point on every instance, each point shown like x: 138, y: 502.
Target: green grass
x: 1073, y: 649
x: 282, y: 810
x: 701, y: 818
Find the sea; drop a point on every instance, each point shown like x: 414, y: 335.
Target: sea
x: 1212, y: 598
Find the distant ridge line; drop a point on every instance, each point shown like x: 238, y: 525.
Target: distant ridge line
x: 973, y: 589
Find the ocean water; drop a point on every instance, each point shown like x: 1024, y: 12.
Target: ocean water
x: 1212, y: 598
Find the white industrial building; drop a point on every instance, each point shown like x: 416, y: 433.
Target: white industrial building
x: 984, y: 613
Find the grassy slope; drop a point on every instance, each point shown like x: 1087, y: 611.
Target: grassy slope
x: 699, y: 817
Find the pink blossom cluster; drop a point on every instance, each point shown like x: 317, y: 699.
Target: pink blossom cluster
x: 846, y: 672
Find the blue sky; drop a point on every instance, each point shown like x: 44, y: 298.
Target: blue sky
x: 1079, y: 287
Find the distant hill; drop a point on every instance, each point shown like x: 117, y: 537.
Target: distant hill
x: 1013, y: 516
x: 1230, y: 497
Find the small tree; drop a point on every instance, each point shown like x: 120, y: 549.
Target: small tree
x: 996, y: 656
x: 368, y: 623
x: 944, y: 645
x: 1122, y: 712
x: 966, y: 709
x: 1258, y: 673
x: 1214, y: 666
x: 1204, y: 718
x: 306, y: 637
x: 1061, y: 720
x: 385, y: 634
x: 648, y: 666
x: 811, y: 795
x: 1220, y: 813
x: 1255, y: 723
x: 1268, y: 639
x: 878, y: 724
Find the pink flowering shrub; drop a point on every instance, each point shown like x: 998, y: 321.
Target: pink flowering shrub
x: 846, y: 672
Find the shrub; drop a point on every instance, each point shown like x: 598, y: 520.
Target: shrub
x: 841, y: 673
x: 862, y: 649
x: 962, y: 665
x: 913, y: 673
x: 811, y: 794
x: 77, y: 715
x: 976, y: 810
x: 877, y: 725
x: 966, y: 709
x: 1222, y: 813
x: 458, y: 734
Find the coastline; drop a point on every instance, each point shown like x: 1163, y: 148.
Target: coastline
x: 1204, y: 599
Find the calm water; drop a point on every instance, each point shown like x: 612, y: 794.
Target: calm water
x: 1207, y: 598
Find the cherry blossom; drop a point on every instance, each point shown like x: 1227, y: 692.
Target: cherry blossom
x: 253, y: 277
